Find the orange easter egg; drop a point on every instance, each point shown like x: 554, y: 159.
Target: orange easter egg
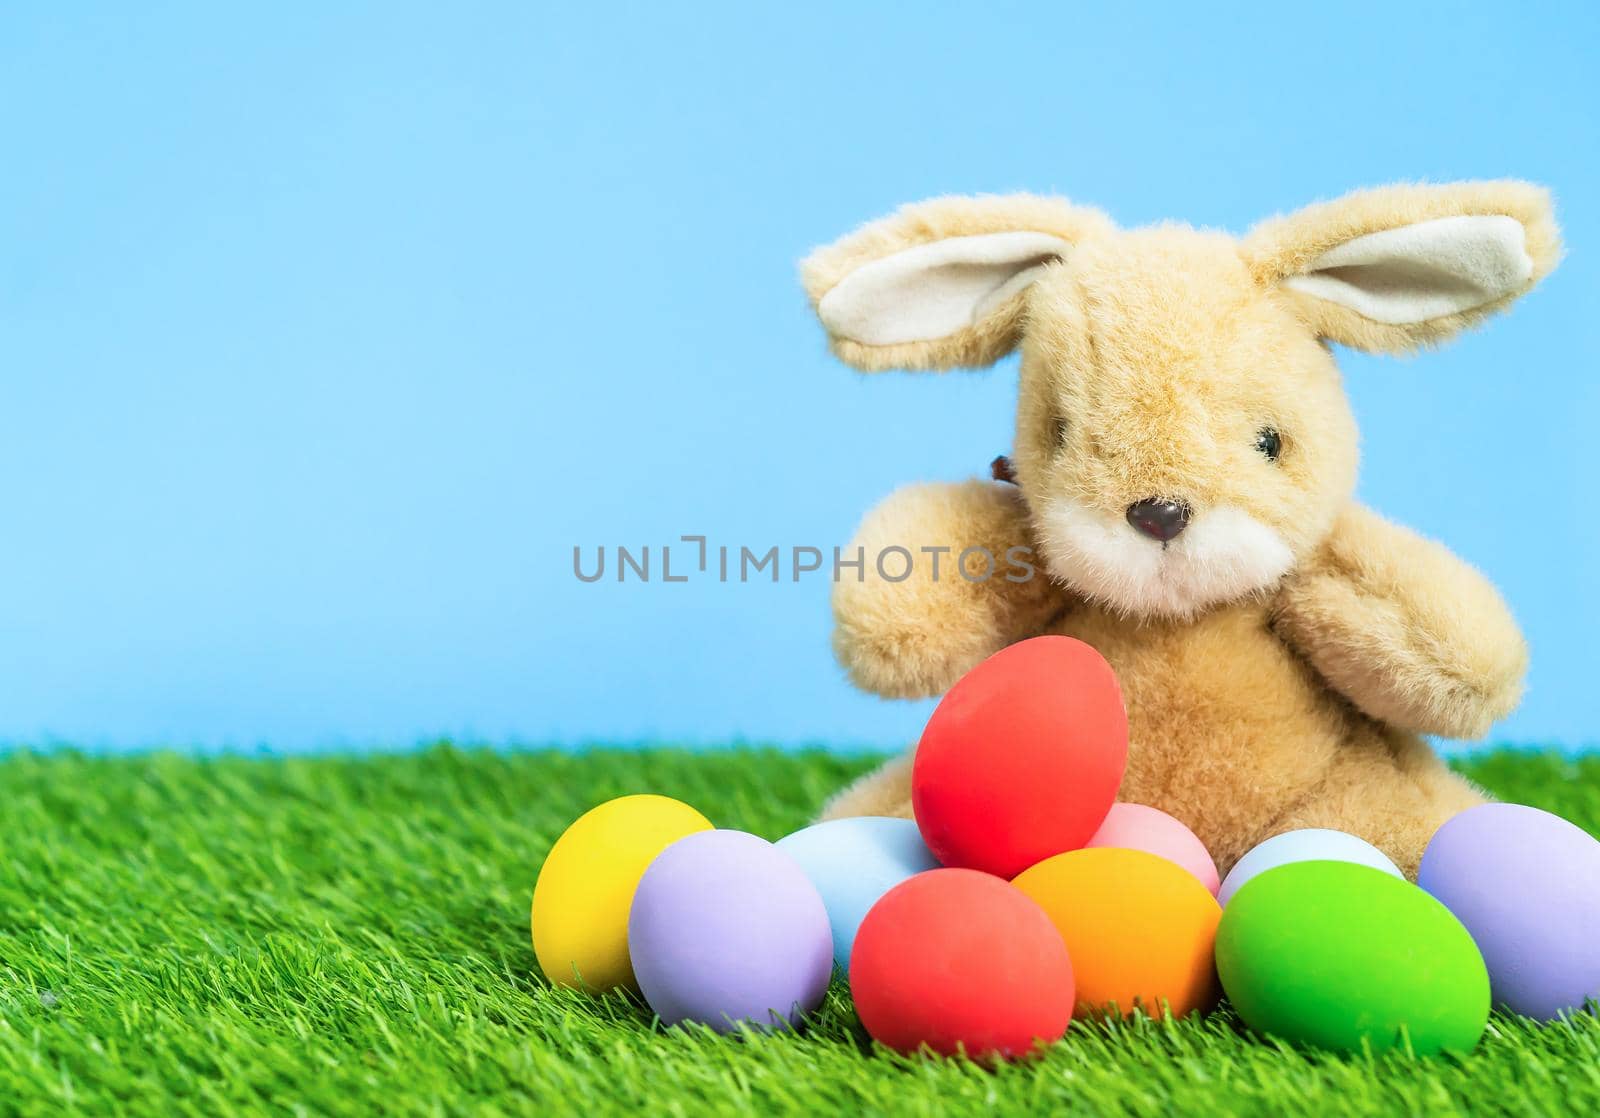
x: 1139, y: 929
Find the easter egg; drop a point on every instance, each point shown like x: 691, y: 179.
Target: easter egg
x: 959, y: 961
x: 581, y: 899
x: 853, y: 862
x: 1310, y: 845
x: 1022, y: 757
x: 1527, y: 886
x: 1137, y: 827
x: 727, y: 930
x: 1339, y: 955
x: 1139, y: 929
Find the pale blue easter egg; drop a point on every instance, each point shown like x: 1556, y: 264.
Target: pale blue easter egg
x: 853, y: 862
x: 1310, y: 845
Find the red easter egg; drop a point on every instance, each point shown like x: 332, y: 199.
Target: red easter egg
x: 1022, y: 758
x: 961, y: 961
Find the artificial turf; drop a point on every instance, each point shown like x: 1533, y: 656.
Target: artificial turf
x: 348, y: 935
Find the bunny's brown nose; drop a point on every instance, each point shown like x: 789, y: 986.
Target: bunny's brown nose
x: 1159, y: 519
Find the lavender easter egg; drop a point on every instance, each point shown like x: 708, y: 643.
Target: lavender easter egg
x: 1527, y: 886
x: 725, y: 930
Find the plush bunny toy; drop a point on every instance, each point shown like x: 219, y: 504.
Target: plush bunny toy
x: 1184, y: 464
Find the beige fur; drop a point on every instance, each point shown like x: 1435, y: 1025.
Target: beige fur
x: 1281, y: 655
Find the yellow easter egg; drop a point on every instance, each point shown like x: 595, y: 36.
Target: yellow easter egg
x: 581, y: 900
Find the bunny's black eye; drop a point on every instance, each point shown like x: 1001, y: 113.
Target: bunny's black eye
x: 1270, y: 443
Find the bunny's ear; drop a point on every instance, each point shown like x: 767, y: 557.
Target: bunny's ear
x: 1391, y: 269
x: 939, y: 285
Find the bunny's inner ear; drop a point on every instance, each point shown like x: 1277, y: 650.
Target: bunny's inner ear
x: 940, y: 284
x: 1429, y: 270
x: 1391, y: 269
x: 933, y: 290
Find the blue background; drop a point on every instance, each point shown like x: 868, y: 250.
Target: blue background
x: 326, y: 335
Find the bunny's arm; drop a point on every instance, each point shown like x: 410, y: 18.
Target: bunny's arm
x: 915, y: 637
x: 1409, y: 633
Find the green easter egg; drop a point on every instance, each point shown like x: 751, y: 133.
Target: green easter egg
x: 1337, y: 955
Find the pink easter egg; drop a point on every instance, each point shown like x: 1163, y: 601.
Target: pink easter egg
x: 1137, y: 827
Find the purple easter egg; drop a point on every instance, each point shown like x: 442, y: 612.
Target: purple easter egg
x: 726, y: 928
x: 1527, y: 886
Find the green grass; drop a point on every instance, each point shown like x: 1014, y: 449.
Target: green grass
x: 343, y: 935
